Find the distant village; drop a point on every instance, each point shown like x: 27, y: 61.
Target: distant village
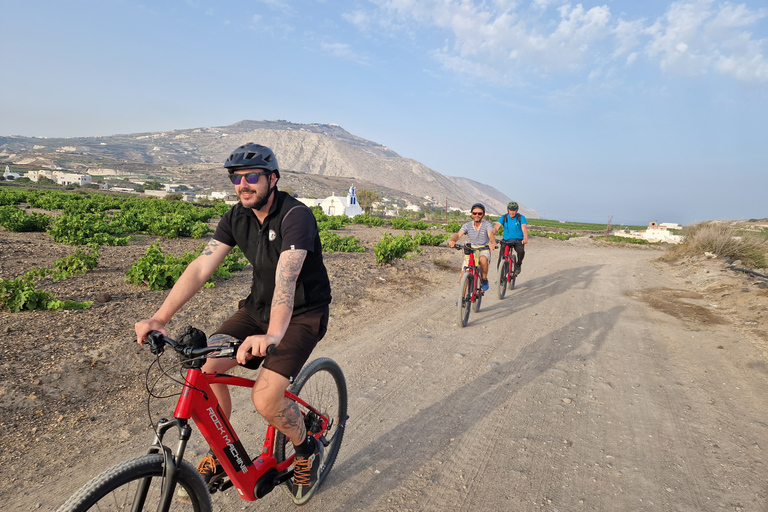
x: 332, y: 205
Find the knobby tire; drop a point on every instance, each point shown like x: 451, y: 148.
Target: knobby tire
x: 465, y: 298
x: 502, y: 281
x: 115, y: 488
x: 322, y: 385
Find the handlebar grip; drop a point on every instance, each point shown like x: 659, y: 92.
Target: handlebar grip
x: 271, y: 348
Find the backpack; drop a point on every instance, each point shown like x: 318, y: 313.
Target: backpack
x: 506, y: 218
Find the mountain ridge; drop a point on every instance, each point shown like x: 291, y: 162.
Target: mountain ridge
x: 313, y: 149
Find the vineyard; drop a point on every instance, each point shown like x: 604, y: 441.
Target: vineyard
x: 89, y: 221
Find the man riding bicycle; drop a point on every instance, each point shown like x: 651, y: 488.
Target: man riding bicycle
x: 287, y: 306
x: 480, y: 233
x: 515, y: 232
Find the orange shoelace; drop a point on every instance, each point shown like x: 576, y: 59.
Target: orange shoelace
x: 207, y: 464
x: 301, y: 470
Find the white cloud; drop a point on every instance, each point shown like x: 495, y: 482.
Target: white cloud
x: 342, y: 51
x: 505, y: 40
x: 697, y: 37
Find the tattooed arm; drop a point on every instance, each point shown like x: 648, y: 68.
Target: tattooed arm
x: 190, y: 282
x: 288, y: 269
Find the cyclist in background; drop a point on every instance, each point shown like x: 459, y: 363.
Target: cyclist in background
x: 515, y: 231
x: 287, y: 306
x: 480, y: 233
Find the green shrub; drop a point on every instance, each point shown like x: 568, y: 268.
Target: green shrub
x: 453, y: 226
x: 628, y: 240
x: 333, y: 242
x: 424, y: 238
x: 390, y: 248
x: 87, y: 229
x: 160, y: 271
x: 13, y: 219
x: 20, y: 294
x: 333, y: 222
x: 368, y: 220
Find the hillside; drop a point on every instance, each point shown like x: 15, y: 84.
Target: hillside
x: 194, y: 156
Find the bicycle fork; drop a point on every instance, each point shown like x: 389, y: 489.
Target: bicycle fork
x: 171, y: 463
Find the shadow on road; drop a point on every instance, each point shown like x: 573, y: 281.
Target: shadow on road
x: 459, y: 411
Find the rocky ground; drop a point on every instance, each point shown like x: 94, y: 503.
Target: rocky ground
x: 67, y: 374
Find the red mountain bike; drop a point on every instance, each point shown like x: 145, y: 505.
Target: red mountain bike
x: 507, y: 275
x: 163, y: 481
x: 470, y: 285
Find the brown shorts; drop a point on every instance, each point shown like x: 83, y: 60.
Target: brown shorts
x: 303, y: 333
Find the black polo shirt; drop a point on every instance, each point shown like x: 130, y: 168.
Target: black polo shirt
x: 289, y: 225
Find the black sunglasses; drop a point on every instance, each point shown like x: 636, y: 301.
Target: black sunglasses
x: 478, y: 213
x: 251, y: 177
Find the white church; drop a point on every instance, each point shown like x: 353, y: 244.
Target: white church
x: 336, y: 205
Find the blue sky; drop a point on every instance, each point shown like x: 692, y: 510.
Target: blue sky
x: 636, y: 110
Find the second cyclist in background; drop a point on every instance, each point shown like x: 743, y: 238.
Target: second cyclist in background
x: 515, y: 231
x: 480, y: 233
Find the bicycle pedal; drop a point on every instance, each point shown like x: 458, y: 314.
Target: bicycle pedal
x: 219, y: 484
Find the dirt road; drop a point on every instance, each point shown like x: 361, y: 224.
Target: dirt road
x: 570, y: 394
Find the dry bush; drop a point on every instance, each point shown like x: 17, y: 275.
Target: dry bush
x: 721, y: 239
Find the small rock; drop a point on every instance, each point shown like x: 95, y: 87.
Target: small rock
x: 103, y: 297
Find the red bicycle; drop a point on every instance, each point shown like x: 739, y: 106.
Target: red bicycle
x: 163, y: 481
x: 470, y: 286
x: 507, y: 274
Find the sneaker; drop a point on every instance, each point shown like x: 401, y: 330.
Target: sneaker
x: 485, y: 284
x: 517, y: 270
x: 210, y: 469
x: 305, y: 474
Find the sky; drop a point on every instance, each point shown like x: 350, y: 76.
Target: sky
x: 622, y: 110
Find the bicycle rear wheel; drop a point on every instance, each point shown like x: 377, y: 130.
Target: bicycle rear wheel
x: 478, y: 291
x: 501, y: 282
x: 121, y: 488
x: 322, y: 385
x: 465, y: 298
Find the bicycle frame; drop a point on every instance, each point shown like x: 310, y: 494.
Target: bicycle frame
x: 473, y: 271
x: 510, y: 262
x: 253, y: 478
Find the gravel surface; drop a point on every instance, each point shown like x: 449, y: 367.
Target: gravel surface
x: 74, y: 402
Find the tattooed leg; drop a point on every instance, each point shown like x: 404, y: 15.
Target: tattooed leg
x: 269, y: 398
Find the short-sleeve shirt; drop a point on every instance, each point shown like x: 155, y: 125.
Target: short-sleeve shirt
x: 513, y: 226
x: 289, y: 225
x: 477, y: 236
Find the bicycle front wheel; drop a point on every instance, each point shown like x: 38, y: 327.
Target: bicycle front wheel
x: 136, y: 485
x: 465, y: 298
x: 514, y: 274
x: 322, y: 385
x: 478, y: 292
x: 501, y: 282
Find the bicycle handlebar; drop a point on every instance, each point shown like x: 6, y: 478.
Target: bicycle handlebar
x: 467, y: 248
x: 157, y: 342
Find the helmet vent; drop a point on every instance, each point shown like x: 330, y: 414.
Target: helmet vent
x: 248, y: 156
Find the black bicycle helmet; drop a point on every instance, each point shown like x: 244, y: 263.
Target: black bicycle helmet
x: 478, y: 205
x: 252, y: 156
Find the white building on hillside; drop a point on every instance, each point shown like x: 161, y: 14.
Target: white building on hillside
x: 336, y: 205
x: 654, y: 233
x: 65, y: 178
x: 36, y: 175
x: 10, y: 176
